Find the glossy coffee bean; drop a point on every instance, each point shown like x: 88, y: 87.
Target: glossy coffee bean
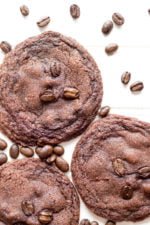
x: 118, y: 19
x: 104, y: 111
x: 3, y: 158
x: 62, y: 164
x: 14, y: 151
x: 27, y: 208
x: 71, y: 93
x: 5, y: 47
x: 111, y: 48
x: 127, y: 192
x: 3, y: 144
x: 45, y: 216
x: 44, y: 21
x: 28, y: 152
x: 107, y: 27
x: 75, y: 11
x: 58, y: 150
x: 125, y: 78
x: 44, y: 152
x: 137, y: 86
x: 94, y: 223
x: 24, y: 10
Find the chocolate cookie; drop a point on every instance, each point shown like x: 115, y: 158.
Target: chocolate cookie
x: 51, y: 90
x: 34, y: 193
x: 111, y: 168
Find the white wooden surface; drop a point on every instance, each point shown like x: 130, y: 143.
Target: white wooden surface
x: 133, y: 55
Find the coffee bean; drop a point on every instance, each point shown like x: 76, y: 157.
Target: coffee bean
x: 55, y: 69
x: 43, y: 22
x: 47, y: 96
x: 118, y: 166
x: 110, y: 222
x: 149, y: 11
x: 137, y: 86
x: 111, y: 48
x: 144, y: 172
x: 27, y: 208
x: 85, y: 222
x: 28, y: 152
x: 45, y: 216
x: 94, y: 223
x: 58, y: 150
x: 44, y: 152
x: 3, y: 158
x: 107, y: 27
x: 118, y: 19
x: 51, y: 159
x: 14, y: 151
x: 104, y: 111
x: 3, y: 144
x: 71, y: 93
x: 125, y: 78
x: 62, y: 164
x: 24, y: 10
x: 75, y: 11
x: 127, y: 192
x: 5, y: 47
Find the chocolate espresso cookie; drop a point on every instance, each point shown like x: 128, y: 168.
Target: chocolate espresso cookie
x: 111, y: 168
x: 51, y: 90
x: 33, y: 193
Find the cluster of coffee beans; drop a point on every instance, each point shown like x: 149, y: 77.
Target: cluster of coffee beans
x: 135, y: 86
x: 107, y: 27
x: 52, y: 154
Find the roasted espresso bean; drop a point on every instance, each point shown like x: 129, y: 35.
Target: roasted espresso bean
x: 118, y: 19
x: 118, y: 166
x: 110, y: 222
x: 28, y: 152
x: 71, y: 93
x: 104, y: 111
x: 47, y: 96
x: 107, y: 27
x: 27, y: 208
x: 44, y: 152
x: 45, y: 216
x: 3, y: 158
x: 85, y: 222
x: 144, y: 172
x: 127, y: 192
x: 111, y: 48
x: 14, y: 151
x: 44, y: 21
x: 3, y: 144
x: 137, y: 86
x: 24, y: 10
x: 51, y: 159
x: 58, y: 150
x: 94, y: 223
x: 55, y: 69
x: 62, y: 164
x: 125, y: 78
x: 5, y: 47
x: 75, y: 11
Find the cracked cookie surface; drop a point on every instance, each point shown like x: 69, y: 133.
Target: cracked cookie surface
x: 111, y: 168
x: 51, y: 90
x: 33, y: 193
